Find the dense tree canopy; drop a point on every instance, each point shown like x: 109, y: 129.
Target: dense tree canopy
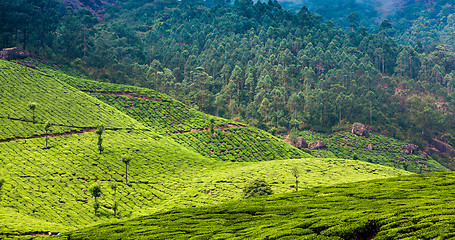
x: 259, y: 63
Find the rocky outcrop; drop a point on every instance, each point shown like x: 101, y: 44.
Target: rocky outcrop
x: 13, y: 53
x: 300, y: 143
x: 443, y: 147
x: 411, y: 149
x: 317, y: 145
x: 432, y: 150
x: 359, y: 130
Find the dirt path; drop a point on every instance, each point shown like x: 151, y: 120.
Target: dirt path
x: 85, y: 130
x: 222, y: 127
x: 125, y: 95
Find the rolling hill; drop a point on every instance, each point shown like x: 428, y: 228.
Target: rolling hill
x: 412, y: 207
x: 47, y: 189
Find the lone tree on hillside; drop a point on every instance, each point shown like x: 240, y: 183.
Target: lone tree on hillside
x: 114, y: 186
x: 212, y: 125
x: 295, y: 172
x: 1, y: 185
x: 126, y: 160
x: 255, y: 188
x: 32, y: 106
x: 95, y: 190
x: 100, y: 131
x: 47, y: 126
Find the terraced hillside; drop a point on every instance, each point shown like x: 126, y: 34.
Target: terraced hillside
x: 385, y: 151
x: 48, y: 189
x: 66, y: 108
x: 50, y: 186
x: 156, y: 110
x: 231, y: 141
x: 413, y: 207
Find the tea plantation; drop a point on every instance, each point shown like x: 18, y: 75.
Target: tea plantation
x: 412, y: 207
x: 49, y: 189
x: 66, y: 108
x: 231, y: 141
x: 51, y: 185
x: 238, y: 144
x: 386, y: 151
x: 156, y: 110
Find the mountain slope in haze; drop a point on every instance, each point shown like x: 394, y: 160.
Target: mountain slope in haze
x: 414, y: 22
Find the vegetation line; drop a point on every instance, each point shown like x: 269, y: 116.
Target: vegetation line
x: 50, y: 135
x: 84, y: 130
x: 125, y: 95
x: 222, y: 127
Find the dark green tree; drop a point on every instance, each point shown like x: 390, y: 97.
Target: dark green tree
x: 95, y: 191
x: 47, y: 127
x: 114, y: 187
x: 32, y: 107
x: 126, y: 160
x: 99, y: 132
x: 295, y: 172
x: 255, y: 188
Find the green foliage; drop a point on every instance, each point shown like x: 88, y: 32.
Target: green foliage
x: 96, y: 192
x: 239, y: 144
x: 163, y: 175
x: 295, y: 172
x: 32, y: 107
x: 126, y: 160
x: 417, y: 206
x: 386, y: 151
x: 63, y: 106
x: 256, y: 188
x: 99, y: 131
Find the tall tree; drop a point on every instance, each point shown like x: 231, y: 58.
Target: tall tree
x: 99, y: 132
x: 47, y: 127
x: 126, y: 160
x: 95, y: 191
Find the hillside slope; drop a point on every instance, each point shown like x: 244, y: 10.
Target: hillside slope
x: 383, y: 150
x: 51, y: 186
x: 230, y: 141
x: 47, y: 189
x: 413, y: 207
x: 66, y: 108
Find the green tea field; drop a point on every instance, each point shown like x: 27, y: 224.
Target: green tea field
x: 385, y: 151
x: 142, y: 168
x: 411, y: 207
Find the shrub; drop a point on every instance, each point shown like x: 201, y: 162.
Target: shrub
x: 257, y: 187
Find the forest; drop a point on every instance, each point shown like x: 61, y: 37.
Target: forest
x: 257, y: 63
